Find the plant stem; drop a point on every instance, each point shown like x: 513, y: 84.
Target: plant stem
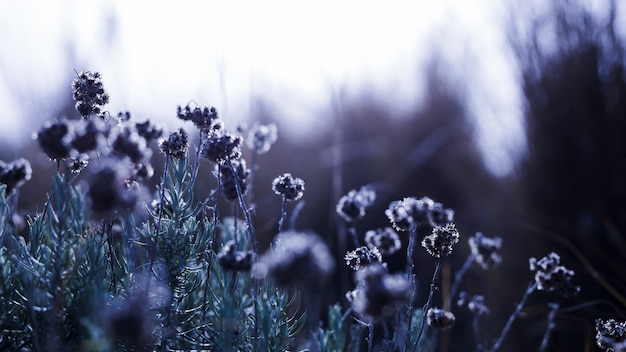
x: 531, y: 288
x: 428, y: 302
x: 411, y: 278
x: 283, y: 214
x: 457, y: 279
x: 554, y: 307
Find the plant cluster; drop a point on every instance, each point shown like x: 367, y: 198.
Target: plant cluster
x: 109, y: 264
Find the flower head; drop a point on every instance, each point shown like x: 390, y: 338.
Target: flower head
x: 485, y: 249
x: 261, y: 137
x: 219, y: 146
x: 15, y: 173
x: 610, y: 333
x: 230, y: 180
x: 362, y: 256
x: 203, y: 118
x: 475, y: 304
x: 378, y: 295
x: 55, y: 139
x: 131, y: 145
x: 176, y: 144
x: 107, y: 190
x: 550, y: 276
x: 386, y: 240
x: 441, y: 240
x: 440, y: 319
x: 352, y: 206
x: 148, y: 131
x: 291, y: 188
x: 89, y: 93
x: 296, y: 258
x: 233, y: 260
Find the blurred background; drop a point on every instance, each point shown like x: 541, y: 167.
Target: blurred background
x: 513, y: 113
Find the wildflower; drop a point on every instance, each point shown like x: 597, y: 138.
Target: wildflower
x: 386, y: 240
x: 220, y: 146
x: 440, y: 319
x: 475, y: 304
x: 362, y: 256
x: 439, y: 216
x: 107, y: 191
x: 409, y: 212
x: 441, y: 240
x: 89, y: 135
x: 176, y: 144
x: 291, y: 188
x: 203, y: 118
x: 89, y: 93
x: 78, y: 163
x: 15, y: 173
x: 550, y: 276
x: 55, y: 139
x: 378, y: 294
x: 261, y: 137
x: 485, y: 250
x: 229, y: 181
x: 148, y: 131
x: 233, y: 260
x: 352, y: 206
x: 130, y: 144
x: 297, y: 258
x: 610, y: 333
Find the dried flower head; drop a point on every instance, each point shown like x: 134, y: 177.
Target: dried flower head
x: 362, y: 256
x: 441, y: 240
x: 202, y: 117
x: 148, y: 131
x: 291, y: 188
x: 386, y: 240
x: 176, y: 145
x: 610, y: 334
x: 440, y: 319
x: 219, y: 146
x: 233, y: 260
x: 550, y: 276
x: 89, y: 93
x: 230, y: 180
x: 439, y: 216
x: 130, y: 144
x: 296, y: 258
x: 378, y: 295
x: 261, y: 137
x: 352, y: 206
x: 89, y: 135
x: 78, y: 163
x: 485, y: 249
x: 15, y: 173
x: 475, y: 304
x: 409, y: 212
x: 55, y: 139
x: 107, y: 190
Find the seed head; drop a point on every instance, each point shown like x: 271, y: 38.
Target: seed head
x: 89, y: 93
x: 229, y: 181
x: 441, y: 240
x: 107, y: 190
x: 440, y: 319
x: 362, y: 256
x: 386, y: 240
x: 550, y: 276
x: 55, y: 139
x: 233, y: 260
x: 261, y: 137
x: 15, y: 173
x: 352, y: 206
x: 148, y: 131
x: 291, y: 188
x: 475, y: 304
x: 131, y: 145
x: 485, y: 249
x: 202, y: 117
x: 176, y: 145
x: 610, y: 334
x: 220, y: 146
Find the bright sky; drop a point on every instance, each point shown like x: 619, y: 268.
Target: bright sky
x: 291, y: 53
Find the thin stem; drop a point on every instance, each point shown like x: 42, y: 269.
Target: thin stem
x: 457, y: 279
x: 554, y: 307
x: 294, y: 214
x: 411, y: 278
x: 352, y: 231
x: 531, y: 288
x: 479, y: 347
x: 428, y: 302
x: 160, y: 218
x: 283, y: 214
x: 370, y: 337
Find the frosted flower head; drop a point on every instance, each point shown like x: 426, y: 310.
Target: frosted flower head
x: 291, y: 188
x: 176, y: 145
x: 89, y: 135
x: 352, y: 206
x: 296, y: 258
x: 362, y: 256
x: 485, y: 249
x: 439, y: 216
x: 440, y: 242
x: 55, y: 139
x: 440, y: 319
x: 610, y: 334
x: 15, y: 173
x: 89, y: 94
x: 261, y: 137
x: 229, y: 181
x: 202, y: 117
x: 148, y: 131
x: 409, y: 212
x: 219, y: 146
x: 378, y: 295
x: 233, y: 260
x: 475, y: 304
x: 131, y: 145
x: 107, y: 190
x: 386, y: 240
x: 550, y: 276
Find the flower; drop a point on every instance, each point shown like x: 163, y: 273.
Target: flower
x: 261, y: 137
x: 130, y: 144
x: 610, y: 333
x: 219, y: 146
x: 440, y: 319
x: 229, y: 181
x: 550, y: 276
x: 203, y: 118
x: 296, y: 258
x: 378, y: 295
x: 362, y: 256
x: 352, y: 205
x: 148, y: 131
x: 441, y: 240
x: 106, y: 189
x: 176, y: 145
x: 55, y: 139
x: 233, y: 260
x: 485, y: 250
x: 15, y: 173
x: 386, y: 240
x: 89, y: 93
x: 439, y: 216
x: 408, y: 212
x: 291, y: 188
x: 475, y: 304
